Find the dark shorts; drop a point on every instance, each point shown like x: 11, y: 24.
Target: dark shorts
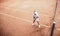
x: 35, y: 18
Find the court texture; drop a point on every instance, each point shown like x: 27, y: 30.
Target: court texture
x: 16, y: 17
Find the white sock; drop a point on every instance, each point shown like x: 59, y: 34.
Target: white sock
x: 39, y: 26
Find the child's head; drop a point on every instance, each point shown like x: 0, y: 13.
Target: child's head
x: 35, y: 12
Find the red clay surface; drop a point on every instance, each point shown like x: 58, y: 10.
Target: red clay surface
x: 16, y: 17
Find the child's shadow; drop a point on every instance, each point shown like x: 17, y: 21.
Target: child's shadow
x: 36, y: 31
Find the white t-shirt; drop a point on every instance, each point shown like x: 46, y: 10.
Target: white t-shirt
x: 35, y: 14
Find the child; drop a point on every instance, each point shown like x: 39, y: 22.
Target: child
x: 36, y: 18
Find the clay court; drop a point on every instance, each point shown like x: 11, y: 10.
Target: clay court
x: 16, y: 17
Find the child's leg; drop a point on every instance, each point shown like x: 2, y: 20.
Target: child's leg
x: 38, y: 24
x: 33, y: 22
x: 37, y: 20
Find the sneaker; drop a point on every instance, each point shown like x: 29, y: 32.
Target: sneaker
x: 32, y: 24
x: 39, y: 26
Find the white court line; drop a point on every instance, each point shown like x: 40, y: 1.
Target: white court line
x: 22, y: 19
x: 15, y: 17
x: 58, y: 29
